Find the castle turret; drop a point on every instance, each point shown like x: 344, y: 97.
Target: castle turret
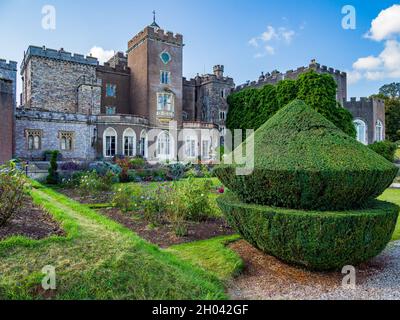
x: 219, y: 71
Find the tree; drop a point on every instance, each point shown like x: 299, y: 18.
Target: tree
x: 52, y: 178
x: 393, y: 119
x: 391, y: 90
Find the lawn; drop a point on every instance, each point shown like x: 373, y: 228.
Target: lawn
x: 99, y: 259
x: 393, y: 195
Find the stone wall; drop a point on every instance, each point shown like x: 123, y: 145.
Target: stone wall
x: 51, y: 78
x: 275, y: 76
x: 8, y: 71
x: 89, y: 96
x: 370, y: 111
x: 7, y: 120
x: 51, y: 123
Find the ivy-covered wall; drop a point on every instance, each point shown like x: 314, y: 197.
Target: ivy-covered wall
x: 250, y: 108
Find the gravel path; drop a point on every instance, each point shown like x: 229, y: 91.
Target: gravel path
x: 266, y: 278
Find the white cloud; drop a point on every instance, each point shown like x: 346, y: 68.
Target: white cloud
x: 353, y: 77
x: 271, y: 38
x: 367, y: 63
x: 253, y: 42
x: 269, y: 34
x: 287, y: 35
x: 386, y: 25
x: 384, y: 66
x: 101, y: 54
x: 270, y: 50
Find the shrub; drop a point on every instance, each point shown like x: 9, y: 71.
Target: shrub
x: 102, y: 167
x: 157, y: 204
x: 124, y: 165
x: 137, y: 163
x: 386, y: 149
x: 12, y: 192
x: 53, y: 177
x: 315, y: 240
x: 303, y: 161
x: 128, y: 198
x: 176, y: 171
x: 192, y: 199
x: 92, y: 182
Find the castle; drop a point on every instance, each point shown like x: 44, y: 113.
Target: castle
x: 88, y: 111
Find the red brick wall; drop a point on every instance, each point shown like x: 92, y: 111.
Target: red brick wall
x: 7, y: 120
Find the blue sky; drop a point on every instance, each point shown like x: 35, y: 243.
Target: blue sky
x: 246, y: 36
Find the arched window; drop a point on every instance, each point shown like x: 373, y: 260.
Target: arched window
x: 379, y: 131
x: 144, y: 144
x: 361, y: 129
x: 34, y: 139
x: 164, y: 146
x: 110, y: 143
x: 129, y: 139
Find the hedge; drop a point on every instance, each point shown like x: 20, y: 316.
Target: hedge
x: 251, y: 108
x: 386, y: 149
x: 303, y: 161
x: 315, y: 240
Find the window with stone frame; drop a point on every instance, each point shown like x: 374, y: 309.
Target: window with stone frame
x: 66, y: 140
x: 111, y: 90
x: 165, y: 77
x: 34, y: 139
x: 111, y: 110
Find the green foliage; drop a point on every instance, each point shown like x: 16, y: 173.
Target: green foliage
x: 191, y: 199
x: 92, y: 182
x: 251, y: 108
x: 391, y: 90
x: 212, y: 255
x: 12, y: 192
x: 98, y: 259
x: 53, y: 177
x: 176, y: 171
x: 303, y: 161
x: 315, y: 240
x: 157, y: 203
x: 386, y: 149
x: 137, y: 163
x: 393, y: 119
x: 129, y: 198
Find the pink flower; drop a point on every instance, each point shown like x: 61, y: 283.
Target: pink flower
x: 221, y: 190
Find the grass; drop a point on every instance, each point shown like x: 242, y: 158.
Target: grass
x: 393, y: 195
x: 98, y: 259
x: 212, y: 255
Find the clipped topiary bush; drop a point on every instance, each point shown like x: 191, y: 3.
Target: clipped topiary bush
x: 313, y: 239
x: 386, y: 149
x: 303, y: 161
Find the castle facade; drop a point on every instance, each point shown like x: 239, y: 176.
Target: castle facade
x: 88, y: 111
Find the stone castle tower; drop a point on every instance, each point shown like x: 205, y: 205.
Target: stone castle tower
x: 155, y: 59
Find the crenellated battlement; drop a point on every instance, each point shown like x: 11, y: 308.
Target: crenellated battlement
x: 11, y: 65
x: 155, y: 34
x: 276, y: 76
x: 61, y: 55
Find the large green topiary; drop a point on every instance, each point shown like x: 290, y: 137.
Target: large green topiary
x: 312, y: 239
x: 303, y: 161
